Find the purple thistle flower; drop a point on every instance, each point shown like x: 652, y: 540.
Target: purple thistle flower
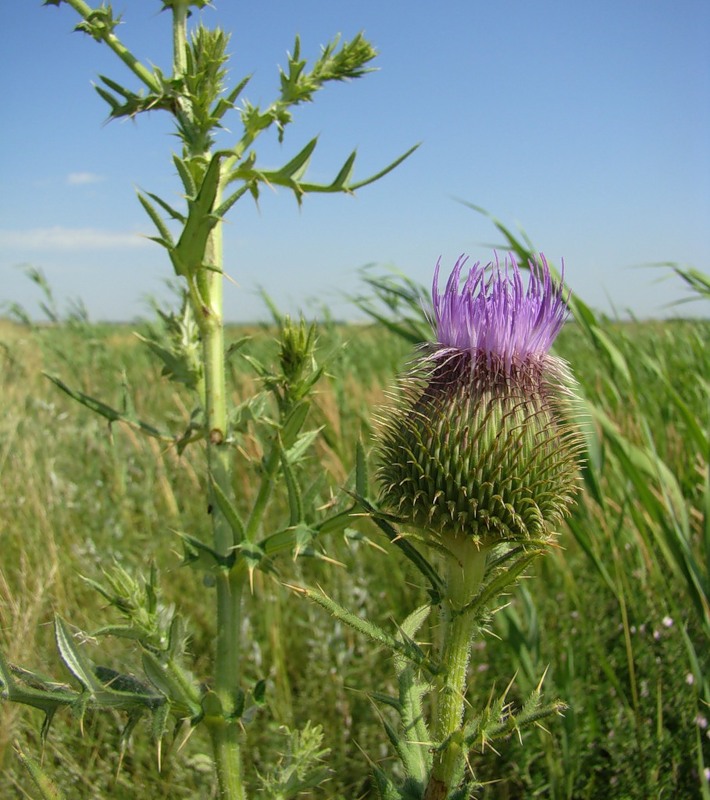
x: 496, y: 315
x: 481, y: 442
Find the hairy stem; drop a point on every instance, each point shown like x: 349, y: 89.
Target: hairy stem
x: 465, y: 567
x: 180, y: 13
x: 225, y: 731
x: 206, y: 294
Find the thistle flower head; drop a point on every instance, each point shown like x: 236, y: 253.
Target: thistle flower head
x: 480, y: 442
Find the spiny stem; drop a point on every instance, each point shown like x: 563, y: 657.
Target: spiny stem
x: 466, y: 566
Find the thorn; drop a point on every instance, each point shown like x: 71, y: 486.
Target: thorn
x: 120, y: 759
x: 332, y: 561
x: 539, y: 686
x: 294, y: 588
x: 187, y: 735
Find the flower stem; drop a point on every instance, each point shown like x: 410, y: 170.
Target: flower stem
x: 466, y: 564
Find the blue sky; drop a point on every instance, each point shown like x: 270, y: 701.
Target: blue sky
x: 585, y: 123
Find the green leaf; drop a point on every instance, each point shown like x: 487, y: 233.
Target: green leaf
x: 294, y: 490
x: 297, y: 166
x: 169, y: 686
x: 46, y: 787
x: 34, y: 690
x: 411, y: 552
x: 79, y: 666
x: 386, y: 790
x: 169, y: 210
x: 293, y: 424
x: 401, y: 644
x: 301, y: 446
x: 361, y: 476
x: 188, y: 255
x: 507, y: 577
x: 259, y: 692
x: 106, y: 411
x: 393, y: 165
x: 224, y: 104
x: 183, y: 171
x: 229, y: 511
x: 342, y: 179
x: 199, y: 555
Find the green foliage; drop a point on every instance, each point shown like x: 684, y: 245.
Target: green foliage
x: 109, y: 489
x: 300, y: 767
x: 624, y: 610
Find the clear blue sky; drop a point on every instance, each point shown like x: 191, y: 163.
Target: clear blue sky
x: 587, y: 123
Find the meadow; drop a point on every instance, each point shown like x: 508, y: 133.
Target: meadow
x: 616, y: 617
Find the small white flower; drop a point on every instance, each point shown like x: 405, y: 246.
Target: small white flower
x: 690, y: 679
x: 667, y: 621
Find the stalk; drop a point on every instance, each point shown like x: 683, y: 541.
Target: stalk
x: 224, y: 729
x: 84, y: 10
x: 221, y: 720
x: 180, y: 14
x: 465, y: 566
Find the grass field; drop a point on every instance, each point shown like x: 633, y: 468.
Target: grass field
x: 616, y: 617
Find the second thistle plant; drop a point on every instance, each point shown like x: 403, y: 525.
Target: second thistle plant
x: 479, y: 459
x: 477, y: 469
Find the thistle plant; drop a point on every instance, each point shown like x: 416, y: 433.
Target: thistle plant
x: 477, y: 469
x: 479, y: 460
x: 192, y: 351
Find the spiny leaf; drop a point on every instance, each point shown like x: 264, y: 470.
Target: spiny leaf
x: 74, y: 660
x: 185, y: 176
x: 169, y: 686
x: 401, y: 645
x: 343, y: 177
x: 106, y: 411
x: 46, y: 787
x: 165, y: 234
x: 225, y: 103
x: 189, y: 253
x: 201, y: 556
x: 169, y: 210
x: 383, y: 523
x: 293, y: 424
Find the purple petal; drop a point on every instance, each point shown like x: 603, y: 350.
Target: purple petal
x: 494, y: 314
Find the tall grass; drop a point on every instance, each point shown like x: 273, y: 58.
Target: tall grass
x: 617, y: 617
